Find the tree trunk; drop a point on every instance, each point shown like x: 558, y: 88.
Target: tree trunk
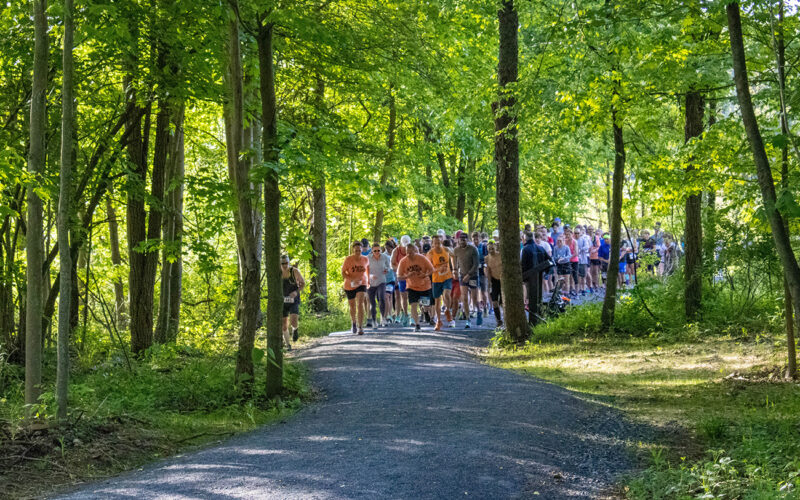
x: 765, y: 180
x: 506, y: 156
x: 34, y: 241
x: 120, y: 311
x: 245, y: 220
x: 171, y: 263
x: 693, y: 267
x: 319, y: 228
x: 141, y: 320
x: 610, y: 301
x: 272, y: 204
x: 65, y: 173
x: 461, y: 198
x: 791, y: 366
x: 377, y: 231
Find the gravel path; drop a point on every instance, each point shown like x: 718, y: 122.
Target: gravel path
x: 405, y: 415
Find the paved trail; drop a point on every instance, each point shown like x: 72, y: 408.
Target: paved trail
x: 405, y: 415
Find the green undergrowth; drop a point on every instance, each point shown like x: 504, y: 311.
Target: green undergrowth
x: 724, y: 422
x: 174, y: 398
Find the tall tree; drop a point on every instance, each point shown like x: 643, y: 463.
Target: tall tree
x: 610, y: 299
x: 172, y: 226
x: 693, y: 267
x: 766, y: 183
x: 34, y: 242
x: 65, y: 260
x: 244, y: 214
x: 272, y: 203
x: 506, y: 157
x: 319, y: 223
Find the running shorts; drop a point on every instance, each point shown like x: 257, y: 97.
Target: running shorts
x: 414, y: 296
x: 401, y: 286
x: 564, y: 269
x: 351, y: 294
x: 472, y: 283
x: 582, y: 270
x: 291, y: 307
x: 595, y: 262
x: 439, y: 288
x: 496, y: 293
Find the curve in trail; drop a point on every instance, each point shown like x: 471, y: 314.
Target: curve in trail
x: 405, y: 415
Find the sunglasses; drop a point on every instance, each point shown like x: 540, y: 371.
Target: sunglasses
x: 284, y: 263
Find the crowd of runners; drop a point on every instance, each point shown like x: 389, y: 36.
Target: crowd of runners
x: 445, y: 278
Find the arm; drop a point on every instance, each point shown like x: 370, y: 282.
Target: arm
x: 301, y: 283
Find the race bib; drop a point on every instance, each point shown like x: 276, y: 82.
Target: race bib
x: 389, y: 288
x: 425, y: 301
x: 473, y: 283
x: 355, y: 283
x: 288, y: 300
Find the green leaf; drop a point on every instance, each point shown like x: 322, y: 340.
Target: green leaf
x: 258, y: 355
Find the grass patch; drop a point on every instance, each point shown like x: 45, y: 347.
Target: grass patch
x: 731, y: 426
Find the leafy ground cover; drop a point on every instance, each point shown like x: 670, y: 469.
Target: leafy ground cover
x: 731, y: 425
x: 177, y: 397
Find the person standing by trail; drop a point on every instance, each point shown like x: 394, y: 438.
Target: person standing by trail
x: 494, y: 270
x: 442, y: 280
x: 293, y: 284
x: 467, y: 262
x: 594, y: 260
x: 354, y: 272
x: 379, y: 267
x: 401, y: 306
x: 416, y: 270
x: 584, y: 247
x: 533, y: 262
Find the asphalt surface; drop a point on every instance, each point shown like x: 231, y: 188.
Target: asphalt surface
x: 405, y: 415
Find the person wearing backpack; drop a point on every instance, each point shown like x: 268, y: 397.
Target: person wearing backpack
x: 293, y: 284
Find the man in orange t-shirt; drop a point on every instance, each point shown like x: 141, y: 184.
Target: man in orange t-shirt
x: 356, y: 280
x: 416, y: 269
x: 442, y: 279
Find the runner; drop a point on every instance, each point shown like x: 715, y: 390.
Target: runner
x: 442, y: 280
x: 293, y: 284
x: 467, y: 264
x: 391, y: 282
x: 494, y: 271
x: 401, y: 302
x: 455, y: 294
x: 483, y: 285
x: 416, y: 270
x: 379, y: 267
x: 570, y: 241
x: 354, y: 271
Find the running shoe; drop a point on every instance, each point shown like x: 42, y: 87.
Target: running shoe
x: 417, y: 328
x: 355, y: 328
x: 452, y: 323
x: 361, y: 331
x: 295, y: 335
x: 479, y: 321
x: 369, y: 323
x: 466, y: 327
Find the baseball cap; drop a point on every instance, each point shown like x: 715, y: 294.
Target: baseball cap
x: 557, y: 219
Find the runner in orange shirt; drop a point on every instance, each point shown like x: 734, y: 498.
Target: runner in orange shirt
x: 442, y: 279
x: 356, y: 280
x: 416, y: 269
